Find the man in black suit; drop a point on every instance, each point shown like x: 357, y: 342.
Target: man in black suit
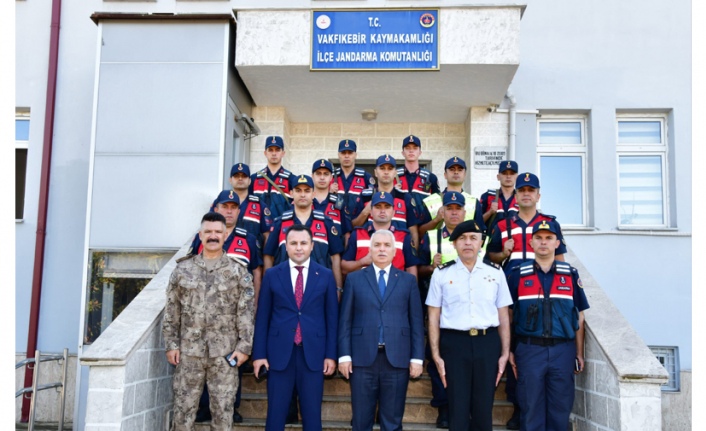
x: 295, y: 331
x: 380, y: 337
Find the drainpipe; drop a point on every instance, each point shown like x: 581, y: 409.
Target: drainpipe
x: 43, y: 199
x: 512, y: 125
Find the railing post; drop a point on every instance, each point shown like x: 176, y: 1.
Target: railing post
x: 63, y: 389
x: 35, y: 379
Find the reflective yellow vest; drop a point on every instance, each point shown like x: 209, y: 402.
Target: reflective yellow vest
x: 435, y: 201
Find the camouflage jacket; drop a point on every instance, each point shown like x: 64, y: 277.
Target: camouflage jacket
x: 209, y: 313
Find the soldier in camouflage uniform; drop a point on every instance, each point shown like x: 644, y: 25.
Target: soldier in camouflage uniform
x: 209, y: 315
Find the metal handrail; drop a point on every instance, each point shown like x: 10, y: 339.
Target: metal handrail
x: 36, y: 387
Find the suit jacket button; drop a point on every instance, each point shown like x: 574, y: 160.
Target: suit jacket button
x: 300, y: 313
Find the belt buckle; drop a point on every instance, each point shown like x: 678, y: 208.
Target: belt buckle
x: 473, y: 332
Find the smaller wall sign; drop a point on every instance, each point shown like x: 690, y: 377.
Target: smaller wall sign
x: 489, y: 157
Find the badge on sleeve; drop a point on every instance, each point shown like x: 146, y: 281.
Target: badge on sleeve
x: 334, y: 231
x: 372, y: 181
x: 267, y: 212
x: 578, y: 282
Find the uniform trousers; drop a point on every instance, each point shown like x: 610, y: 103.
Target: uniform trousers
x: 471, y: 369
x: 545, y: 385
x: 187, y: 383
x: 280, y: 384
x: 379, y: 383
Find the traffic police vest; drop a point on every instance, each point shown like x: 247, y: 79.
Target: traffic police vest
x: 502, y: 212
x: 422, y: 184
x: 435, y: 201
x: 317, y: 224
x: 509, y: 228
x: 537, y: 314
x: 262, y: 188
x: 362, y: 244
x: 350, y: 197
x: 441, y: 236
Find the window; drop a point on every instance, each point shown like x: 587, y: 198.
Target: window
x: 115, y: 279
x: 21, y: 147
x: 668, y: 356
x: 642, y: 152
x: 561, y: 149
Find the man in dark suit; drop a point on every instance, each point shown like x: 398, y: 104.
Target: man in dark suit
x: 295, y: 332
x: 381, y: 336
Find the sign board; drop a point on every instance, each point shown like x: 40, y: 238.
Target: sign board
x: 489, y: 157
x: 398, y: 39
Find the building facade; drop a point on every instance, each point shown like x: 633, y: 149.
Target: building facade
x: 155, y: 100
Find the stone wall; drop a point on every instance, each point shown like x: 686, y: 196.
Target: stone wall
x: 129, y: 383
x: 620, y: 388
x: 306, y: 142
x: 48, y: 403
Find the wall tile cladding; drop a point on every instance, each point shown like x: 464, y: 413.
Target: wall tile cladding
x: 306, y: 142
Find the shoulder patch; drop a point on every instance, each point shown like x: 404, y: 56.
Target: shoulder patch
x: 334, y: 231
x: 183, y: 258
x: 447, y: 264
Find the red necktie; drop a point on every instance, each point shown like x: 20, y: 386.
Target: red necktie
x: 298, y: 295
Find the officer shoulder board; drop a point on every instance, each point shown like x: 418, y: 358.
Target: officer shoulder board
x: 494, y: 265
x: 318, y: 215
x: 358, y: 172
x: 447, y: 264
x: 527, y: 268
x: 183, y: 258
x: 241, y: 232
x: 287, y: 215
x: 253, y: 198
x: 562, y: 268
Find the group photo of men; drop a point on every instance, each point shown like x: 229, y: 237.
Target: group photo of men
x: 296, y: 277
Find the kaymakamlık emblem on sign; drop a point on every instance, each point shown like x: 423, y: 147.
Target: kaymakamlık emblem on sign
x: 323, y: 22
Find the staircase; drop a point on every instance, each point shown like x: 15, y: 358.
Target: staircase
x: 336, y: 409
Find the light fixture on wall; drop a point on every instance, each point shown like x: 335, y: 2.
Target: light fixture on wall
x: 369, y: 114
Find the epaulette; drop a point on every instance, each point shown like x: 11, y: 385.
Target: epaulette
x: 549, y: 216
x: 241, y: 232
x: 318, y: 215
x: 183, y: 258
x: 262, y: 172
x: 359, y: 172
x: 287, y: 215
x: 527, y: 268
x: 235, y: 259
x: 338, y: 171
x: 424, y: 173
x: 447, y: 264
x: 332, y: 197
x: 367, y: 192
x: 285, y: 173
x: 253, y: 198
x: 495, y: 265
x: 562, y: 267
x: 492, y: 192
x: 400, y: 171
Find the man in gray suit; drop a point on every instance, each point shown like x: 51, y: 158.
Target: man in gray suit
x: 380, y: 336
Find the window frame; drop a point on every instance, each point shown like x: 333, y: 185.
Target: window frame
x: 644, y: 149
x: 24, y: 115
x: 567, y: 150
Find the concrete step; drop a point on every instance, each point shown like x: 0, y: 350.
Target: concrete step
x: 259, y: 425
x: 337, y: 408
x: 337, y: 385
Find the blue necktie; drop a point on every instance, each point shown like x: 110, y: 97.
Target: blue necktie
x: 381, y: 286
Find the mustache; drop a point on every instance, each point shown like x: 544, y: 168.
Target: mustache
x: 212, y: 240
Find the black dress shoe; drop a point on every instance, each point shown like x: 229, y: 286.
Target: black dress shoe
x: 236, y: 417
x: 292, y: 419
x: 203, y: 415
x: 514, y: 422
x: 442, y: 421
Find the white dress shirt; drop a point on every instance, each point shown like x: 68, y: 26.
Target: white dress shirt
x: 468, y: 299
x: 294, y: 272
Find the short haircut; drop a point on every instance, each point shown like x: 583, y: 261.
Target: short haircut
x: 382, y: 232
x: 213, y: 216
x: 299, y: 228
